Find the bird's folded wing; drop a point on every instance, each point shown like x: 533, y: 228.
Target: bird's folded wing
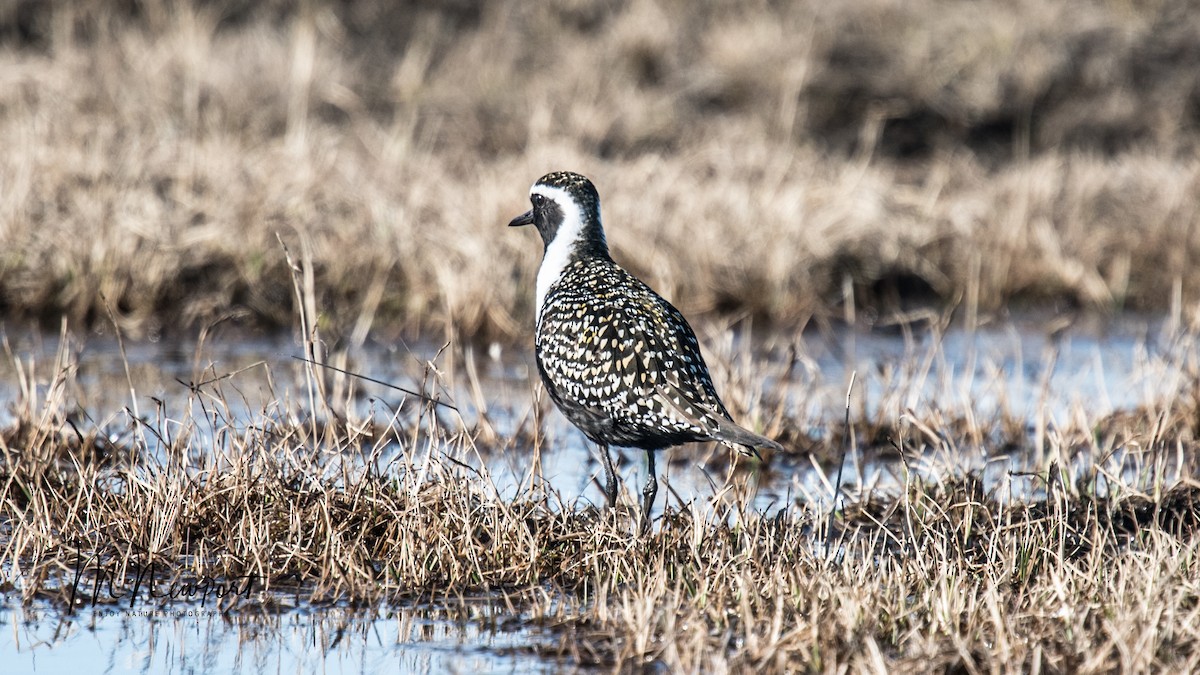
x: 687, y: 389
x: 715, y: 423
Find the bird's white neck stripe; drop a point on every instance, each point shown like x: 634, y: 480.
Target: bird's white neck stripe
x: 558, y: 252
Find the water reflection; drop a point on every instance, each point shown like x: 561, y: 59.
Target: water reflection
x: 191, y: 640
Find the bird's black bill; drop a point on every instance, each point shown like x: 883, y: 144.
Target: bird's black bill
x: 523, y: 219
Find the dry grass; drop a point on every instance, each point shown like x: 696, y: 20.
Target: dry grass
x: 1091, y: 568
x: 770, y: 162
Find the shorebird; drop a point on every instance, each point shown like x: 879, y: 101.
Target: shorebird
x: 619, y: 361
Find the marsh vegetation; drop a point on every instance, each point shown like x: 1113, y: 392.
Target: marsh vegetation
x: 961, y: 539
x: 794, y: 178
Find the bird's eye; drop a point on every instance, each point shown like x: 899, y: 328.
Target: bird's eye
x: 537, y: 200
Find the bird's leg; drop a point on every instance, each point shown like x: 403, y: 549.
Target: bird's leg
x: 610, y: 477
x: 649, y: 492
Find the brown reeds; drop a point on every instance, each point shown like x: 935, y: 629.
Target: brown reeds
x: 775, y: 162
x: 1087, y: 562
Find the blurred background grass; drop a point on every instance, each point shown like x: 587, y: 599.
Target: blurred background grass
x: 778, y: 161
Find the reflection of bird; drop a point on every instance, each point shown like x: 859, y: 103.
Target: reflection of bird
x: 617, y: 359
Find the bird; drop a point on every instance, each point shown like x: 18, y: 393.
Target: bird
x: 619, y: 361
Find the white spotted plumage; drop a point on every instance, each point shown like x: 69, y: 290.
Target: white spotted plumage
x: 618, y: 360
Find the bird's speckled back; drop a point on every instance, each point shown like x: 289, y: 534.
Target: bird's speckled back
x: 621, y: 362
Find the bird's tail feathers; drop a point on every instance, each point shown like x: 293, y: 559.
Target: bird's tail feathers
x: 718, y: 426
x: 730, y: 433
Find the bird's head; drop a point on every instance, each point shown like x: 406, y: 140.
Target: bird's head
x: 566, y: 213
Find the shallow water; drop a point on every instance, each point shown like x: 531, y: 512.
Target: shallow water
x: 1016, y: 369
x: 191, y: 640
x: 1019, y: 369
